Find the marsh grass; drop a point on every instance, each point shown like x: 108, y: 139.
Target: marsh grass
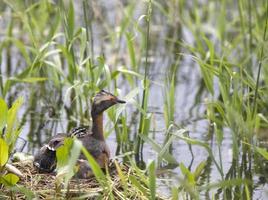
x: 58, y: 55
x: 144, y: 123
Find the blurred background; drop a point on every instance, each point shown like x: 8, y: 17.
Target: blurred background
x: 187, y: 69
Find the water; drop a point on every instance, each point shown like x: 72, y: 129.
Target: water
x: 44, y: 119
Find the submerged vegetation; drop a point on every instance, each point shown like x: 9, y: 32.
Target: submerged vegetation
x: 193, y: 73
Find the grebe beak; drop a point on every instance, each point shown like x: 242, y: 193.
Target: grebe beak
x: 120, y: 101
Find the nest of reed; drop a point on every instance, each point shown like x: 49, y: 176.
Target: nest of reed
x: 45, y: 186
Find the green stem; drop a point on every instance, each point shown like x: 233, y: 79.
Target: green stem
x: 145, y: 82
x: 89, y: 34
x: 259, y: 67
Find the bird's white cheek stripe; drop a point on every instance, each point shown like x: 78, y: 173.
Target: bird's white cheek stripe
x: 50, y: 148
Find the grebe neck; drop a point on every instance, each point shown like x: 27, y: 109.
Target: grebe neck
x: 97, y: 126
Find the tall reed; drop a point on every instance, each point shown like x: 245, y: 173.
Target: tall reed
x: 144, y: 120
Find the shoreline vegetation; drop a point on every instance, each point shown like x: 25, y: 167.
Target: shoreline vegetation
x: 193, y: 73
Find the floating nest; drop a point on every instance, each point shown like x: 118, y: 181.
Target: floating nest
x: 46, y: 186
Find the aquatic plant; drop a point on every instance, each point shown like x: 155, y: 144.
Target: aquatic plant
x: 194, y: 75
x: 9, y: 130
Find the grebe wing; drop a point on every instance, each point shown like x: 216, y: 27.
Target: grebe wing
x: 80, y: 131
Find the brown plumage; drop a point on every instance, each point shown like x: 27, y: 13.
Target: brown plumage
x: 92, y: 139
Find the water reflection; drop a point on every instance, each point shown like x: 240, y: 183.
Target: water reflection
x: 46, y: 113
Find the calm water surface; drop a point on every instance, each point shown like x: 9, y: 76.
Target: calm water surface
x: 190, y: 103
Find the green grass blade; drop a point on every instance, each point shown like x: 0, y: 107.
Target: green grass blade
x: 12, y: 131
x: 3, y: 115
x: 152, y: 180
x: 168, y: 157
x: 3, y: 152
